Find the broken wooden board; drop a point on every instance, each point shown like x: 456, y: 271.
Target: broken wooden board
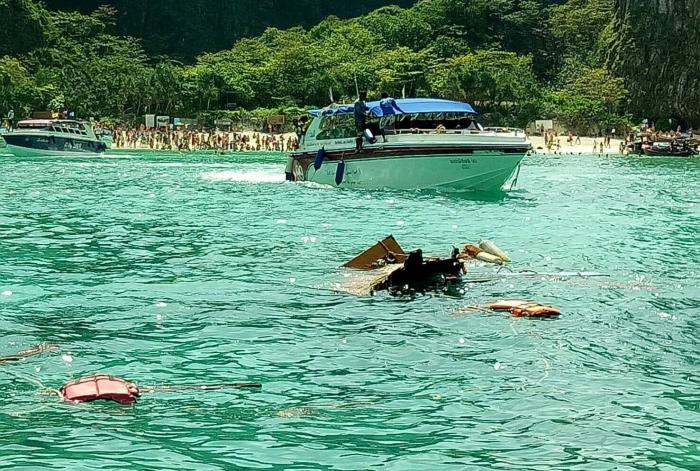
x: 368, y: 260
x: 365, y: 284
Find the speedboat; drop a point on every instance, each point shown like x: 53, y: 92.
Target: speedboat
x: 429, y: 143
x: 40, y: 137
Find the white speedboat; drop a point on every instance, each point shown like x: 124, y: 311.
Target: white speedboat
x: 430, y: 143
x: 41, y: 137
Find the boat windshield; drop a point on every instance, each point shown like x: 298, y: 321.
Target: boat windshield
x: 437, y: 122
x: 342, y: 125
x: 68, y: 127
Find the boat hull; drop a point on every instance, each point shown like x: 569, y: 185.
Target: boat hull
x: 655, y: 153
x: 484, y: 171
x: 33, y: 145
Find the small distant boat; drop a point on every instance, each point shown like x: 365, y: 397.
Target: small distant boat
x: 428, y: 143
x: 666, y: 148
x: 41, y: 137
x: 669, y: 149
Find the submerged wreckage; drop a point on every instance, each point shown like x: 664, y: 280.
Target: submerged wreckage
x: 385, y: 265
x: 388, y: 266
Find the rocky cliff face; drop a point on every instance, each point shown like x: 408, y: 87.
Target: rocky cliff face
x: 656, y: 49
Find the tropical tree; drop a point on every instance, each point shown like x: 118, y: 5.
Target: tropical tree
x: 500, y: 83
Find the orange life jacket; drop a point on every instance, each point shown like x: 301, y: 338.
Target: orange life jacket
x: 535, y: 310
x: 100, y: 387
x: 520, y: 308
x: 506, y: 305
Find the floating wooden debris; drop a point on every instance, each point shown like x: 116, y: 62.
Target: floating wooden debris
x: 518, y: 308
x: 388, y: 266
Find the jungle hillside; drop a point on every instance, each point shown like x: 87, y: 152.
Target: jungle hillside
x: 590, y: 64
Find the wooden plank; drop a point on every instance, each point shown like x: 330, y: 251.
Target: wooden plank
x: 367, y: 260
x: 365, y: 284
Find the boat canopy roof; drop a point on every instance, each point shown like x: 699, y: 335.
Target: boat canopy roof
x: 407, y: 105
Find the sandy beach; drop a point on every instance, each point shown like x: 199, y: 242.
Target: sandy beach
x: 585, y: 147
x: 538, y: 145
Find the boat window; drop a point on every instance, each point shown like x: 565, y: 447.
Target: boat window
x: 32, y: 125
x: 341, y: 126
x: 448, y: 122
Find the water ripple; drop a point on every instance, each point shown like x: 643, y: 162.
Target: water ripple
x: 203, y: 269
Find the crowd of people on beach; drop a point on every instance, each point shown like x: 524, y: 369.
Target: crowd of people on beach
x: 212, y: 139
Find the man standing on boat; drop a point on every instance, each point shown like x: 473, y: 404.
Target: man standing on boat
x: 361, y: 111
x: 11, y: 120
x: 389, y: 109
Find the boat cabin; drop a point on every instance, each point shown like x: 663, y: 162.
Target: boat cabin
x: 77, y: 128
x: 413, y: 116
x: 413, y: 121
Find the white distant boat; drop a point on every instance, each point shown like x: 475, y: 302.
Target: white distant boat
x: 431, y: 143
x: 41, y: 137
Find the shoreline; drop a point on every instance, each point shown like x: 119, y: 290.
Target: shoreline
x: 538, y: 148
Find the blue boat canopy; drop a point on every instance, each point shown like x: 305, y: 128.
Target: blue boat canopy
x: 407, y: 105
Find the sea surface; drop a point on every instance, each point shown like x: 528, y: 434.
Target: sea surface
x: 202, y: 269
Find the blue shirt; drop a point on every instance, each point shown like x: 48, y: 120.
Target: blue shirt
x: 389, y: 107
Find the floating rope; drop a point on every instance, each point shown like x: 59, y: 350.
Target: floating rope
x: 199, y: 387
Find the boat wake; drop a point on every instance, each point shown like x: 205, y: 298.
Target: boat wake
x: 272, y: 174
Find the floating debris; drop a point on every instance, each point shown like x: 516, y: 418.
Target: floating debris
x: 295, y: 412
x: 518, y: 308
x: 388, y: 266
x: 111, y: 388
x: 30, y: 352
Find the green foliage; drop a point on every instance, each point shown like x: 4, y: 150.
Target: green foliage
x: 514, y: 59
x: 183, y: 29
x: 23, y: 25
x: 577, y: 26
x: 499, y: 82
x: 589, y: 103
x: 15, y: 84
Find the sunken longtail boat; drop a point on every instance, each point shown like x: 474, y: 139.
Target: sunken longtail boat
x: 387, y: 266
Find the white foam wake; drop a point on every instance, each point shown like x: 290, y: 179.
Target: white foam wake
x: 271, y: 175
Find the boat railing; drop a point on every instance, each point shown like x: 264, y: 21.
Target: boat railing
x: 460, y: 132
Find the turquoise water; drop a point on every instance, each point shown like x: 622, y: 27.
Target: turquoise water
x: 202, y: 269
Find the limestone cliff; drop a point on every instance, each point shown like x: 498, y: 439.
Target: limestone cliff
x: 656, y: 49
